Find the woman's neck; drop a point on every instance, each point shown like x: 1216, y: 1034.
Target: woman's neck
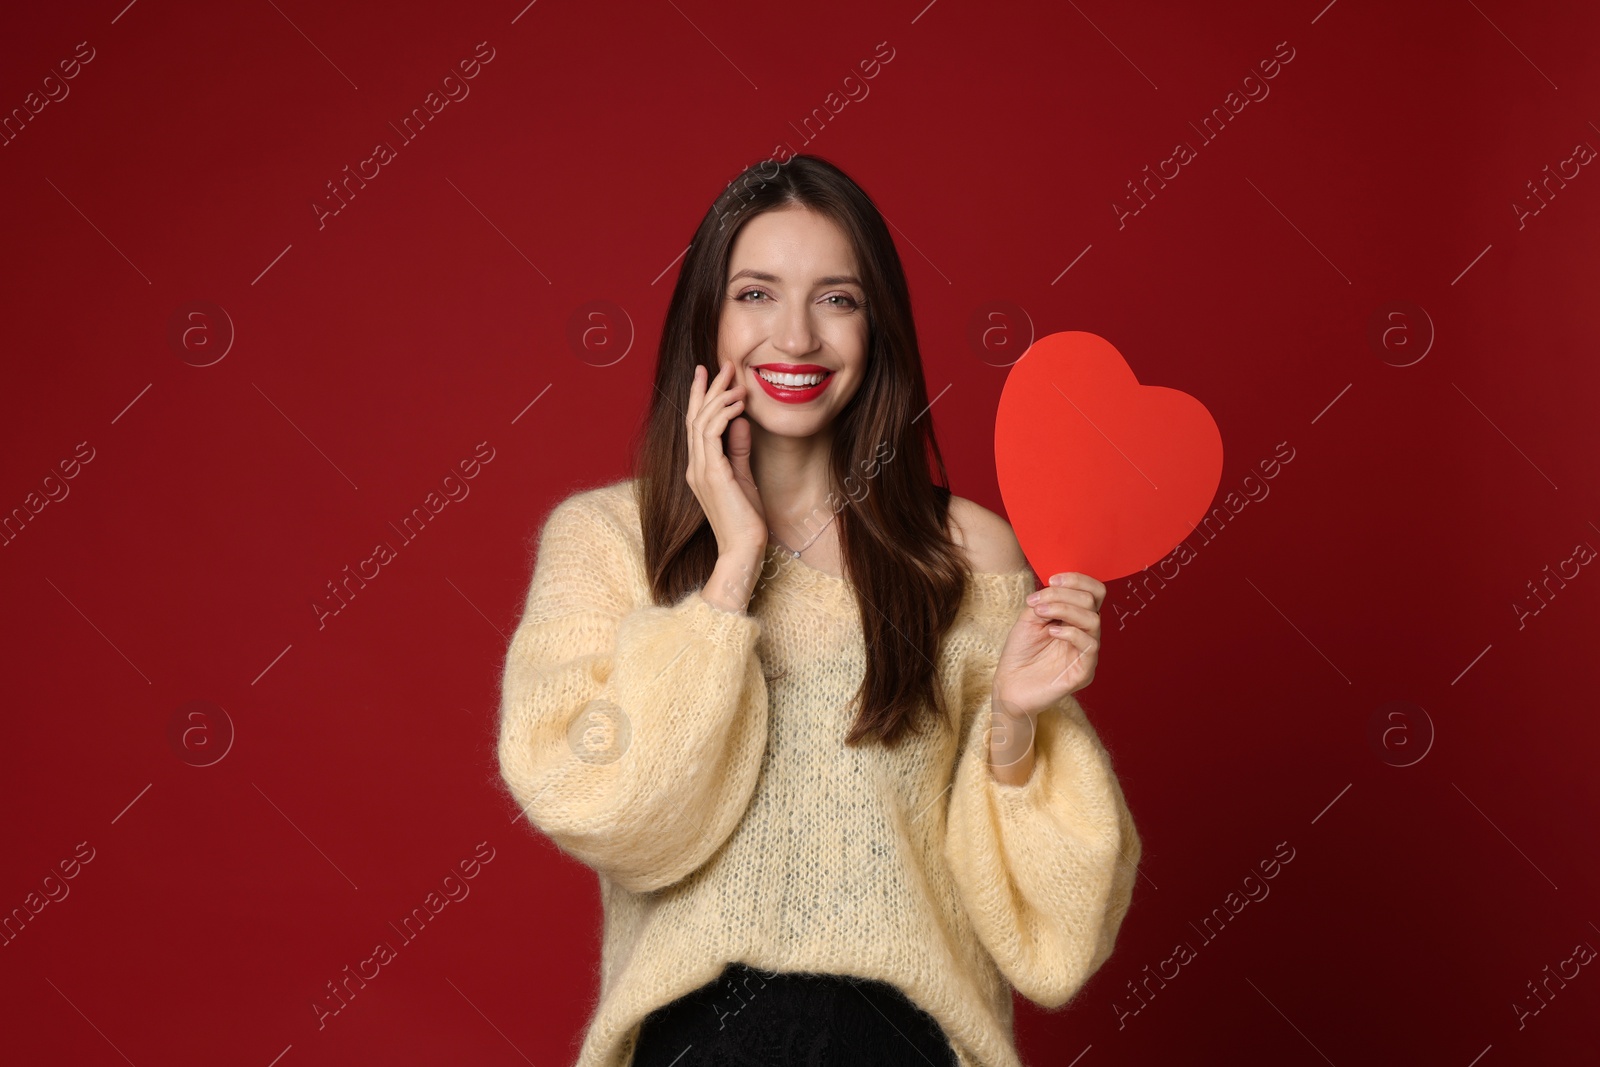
x: 792, y: 476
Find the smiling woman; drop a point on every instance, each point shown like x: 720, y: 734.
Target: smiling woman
x: 845, y: 802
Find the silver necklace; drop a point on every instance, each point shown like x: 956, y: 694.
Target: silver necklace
x: 795, y: 552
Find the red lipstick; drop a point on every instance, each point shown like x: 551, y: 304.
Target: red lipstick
x: 789, y: 394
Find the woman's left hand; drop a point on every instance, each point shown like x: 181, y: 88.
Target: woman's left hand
x: 1053, y: 648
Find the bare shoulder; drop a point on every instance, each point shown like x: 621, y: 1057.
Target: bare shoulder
x: 990, y: 543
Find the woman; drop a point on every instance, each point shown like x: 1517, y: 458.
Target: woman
x: 799, y: 707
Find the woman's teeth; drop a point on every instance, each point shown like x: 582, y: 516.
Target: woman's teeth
x: 794, y: 381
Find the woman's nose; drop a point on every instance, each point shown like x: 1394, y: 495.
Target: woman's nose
x: 795, y: 334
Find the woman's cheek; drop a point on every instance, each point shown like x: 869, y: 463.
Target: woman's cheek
x: 746, y: 337
x: 848, y: 337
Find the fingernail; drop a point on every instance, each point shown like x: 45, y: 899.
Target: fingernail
x: 1033, y: 598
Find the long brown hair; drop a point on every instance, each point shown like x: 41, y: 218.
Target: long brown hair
x: 908, y: 575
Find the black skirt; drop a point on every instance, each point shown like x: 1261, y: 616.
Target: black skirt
x: 753, y: 1018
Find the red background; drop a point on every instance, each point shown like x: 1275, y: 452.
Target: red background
x: 371, y: 355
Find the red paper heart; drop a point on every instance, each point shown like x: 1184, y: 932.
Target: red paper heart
x: 1099, y: 474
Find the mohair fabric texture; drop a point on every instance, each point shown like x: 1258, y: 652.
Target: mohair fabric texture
x: 727, y: 820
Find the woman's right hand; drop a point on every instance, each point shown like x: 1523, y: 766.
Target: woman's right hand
x: 723, y: 483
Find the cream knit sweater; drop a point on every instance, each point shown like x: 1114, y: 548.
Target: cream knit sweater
x: 727, y: 820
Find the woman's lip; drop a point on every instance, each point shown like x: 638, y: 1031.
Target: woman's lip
x: 787, y: 395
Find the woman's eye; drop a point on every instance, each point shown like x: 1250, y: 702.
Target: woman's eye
x: 843, y: 301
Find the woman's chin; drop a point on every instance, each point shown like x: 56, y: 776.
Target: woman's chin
x: 795, y: 424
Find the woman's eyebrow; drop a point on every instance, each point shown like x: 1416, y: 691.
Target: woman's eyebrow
x: 763, y: 276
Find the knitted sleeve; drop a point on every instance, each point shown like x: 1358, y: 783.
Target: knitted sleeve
x: 630, y: 733
x: 1045, y: 869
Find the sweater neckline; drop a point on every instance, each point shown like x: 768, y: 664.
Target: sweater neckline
x: 986, y: 589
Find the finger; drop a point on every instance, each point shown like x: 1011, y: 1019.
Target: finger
x: 696, y: 399
x: 1066, y: 594
x: 708, y: 394
x: 739, y: 449
x: 700, y: 415
x: 1092, y: 591
x: 719, y: 382
x: 733, y: 386
x: 1075, y: 580
x: 720, y: 406
x: 1055, y: 595
x: 1069, y: 610
x: 1071, y: 614
x: 718, y: 425
x: 716, y: 415
x: 1078, y: 580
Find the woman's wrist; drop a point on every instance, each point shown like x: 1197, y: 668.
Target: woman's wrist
x: 1011, y: 736
x: 733, y: 581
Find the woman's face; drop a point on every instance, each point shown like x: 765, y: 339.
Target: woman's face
x: 793, y: 307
